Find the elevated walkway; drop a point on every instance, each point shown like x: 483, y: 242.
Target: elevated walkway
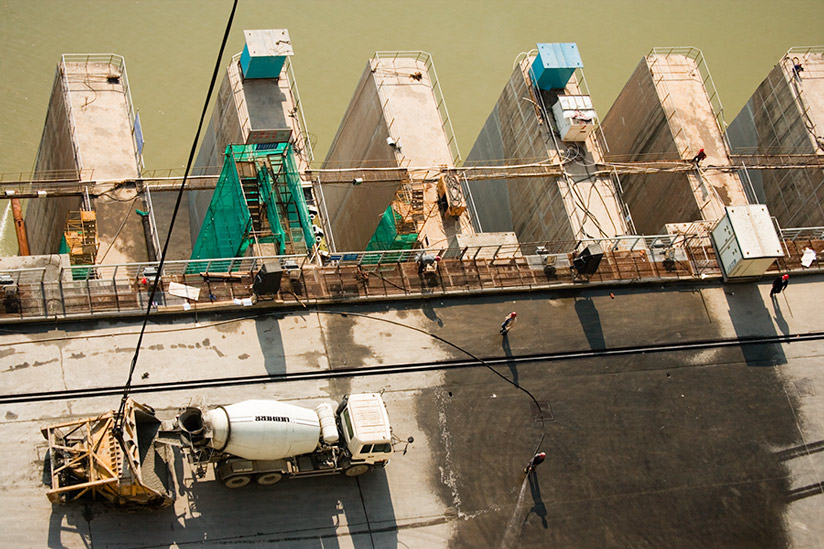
x: 120, y: 291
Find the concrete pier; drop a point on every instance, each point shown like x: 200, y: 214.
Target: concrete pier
x: 397, y: 118
x: 250, y: 110
x: 785, y: 117
x: 521, y: 130
x: 90, y: 133
x: 671, y: 405
x: 667, y: 111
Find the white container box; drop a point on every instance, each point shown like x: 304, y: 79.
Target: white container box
x: 574, y: 116
x: 746, y: 242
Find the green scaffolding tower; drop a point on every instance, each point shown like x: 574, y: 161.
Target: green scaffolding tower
x: 258, y: 200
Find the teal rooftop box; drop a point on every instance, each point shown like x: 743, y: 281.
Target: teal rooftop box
x: 554, y: 65
x: 265, y: 52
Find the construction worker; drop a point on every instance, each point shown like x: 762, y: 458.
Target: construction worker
x: 779, y: 285
x: 428, y: 262
x: 506, y: 325
x: 536, y: 460
x: 798, y: 68
x: 699, y: 157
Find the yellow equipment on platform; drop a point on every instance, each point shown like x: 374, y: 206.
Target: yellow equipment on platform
x: 81, y: 237
x: 86, y: 460
x: 451, y: 194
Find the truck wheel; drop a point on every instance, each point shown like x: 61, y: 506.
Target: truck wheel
x: 267, y: 479
x: 238, y: 481
x: 356, y: 470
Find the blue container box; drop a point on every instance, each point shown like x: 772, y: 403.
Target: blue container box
x: 265, y: 53
x: 554, y: 65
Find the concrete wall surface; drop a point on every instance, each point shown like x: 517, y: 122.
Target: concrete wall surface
x: 636, y: 128
x: 664, y: 113
x: 490, y: 198
x: 46, y: 218
x: 568, y: 208
x: 777, y: 120
x: 514, y: 134
x: 355, y: 211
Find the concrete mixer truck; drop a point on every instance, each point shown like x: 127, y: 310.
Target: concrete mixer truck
x: 260, y: 440
x: 267, y: 440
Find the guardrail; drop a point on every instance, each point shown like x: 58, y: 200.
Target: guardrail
x: 61, y: 70
x: 119, y: 63
x: 707, y: 82
x: 804, y: 233
x: 303, y: 130
x: 54, y: 292
x: 434, y: 83
x: 16, y: 183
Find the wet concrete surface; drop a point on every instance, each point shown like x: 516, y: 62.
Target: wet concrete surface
x: 637, y: 454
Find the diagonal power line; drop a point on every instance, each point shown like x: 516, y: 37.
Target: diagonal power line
x: 118, y: 426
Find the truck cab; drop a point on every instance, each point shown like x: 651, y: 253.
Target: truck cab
x: 366, y: 430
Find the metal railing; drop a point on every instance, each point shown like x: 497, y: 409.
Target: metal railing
x: 119, y: 64
x: 670, y: 111
x: 42, y: 182
x: 303, y: 130
x: 61, y: 71
x: 803, y: 233
x: 63, y: 291
x: 707, y: 82
x: 434, y: 84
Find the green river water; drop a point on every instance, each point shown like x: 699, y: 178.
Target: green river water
x: 170, y: 48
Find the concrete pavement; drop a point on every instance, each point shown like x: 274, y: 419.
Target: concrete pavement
x: 734, y: 461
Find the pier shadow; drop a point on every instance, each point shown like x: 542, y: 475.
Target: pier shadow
x: 270, y: 339
x: 750, y: 317
x: 590, y: 322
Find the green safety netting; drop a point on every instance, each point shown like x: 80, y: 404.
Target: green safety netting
x: 77, y: 274
x: 293, y: 202
x: 386, y: 237
x: 227, y: 222
x: 227, y: 228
